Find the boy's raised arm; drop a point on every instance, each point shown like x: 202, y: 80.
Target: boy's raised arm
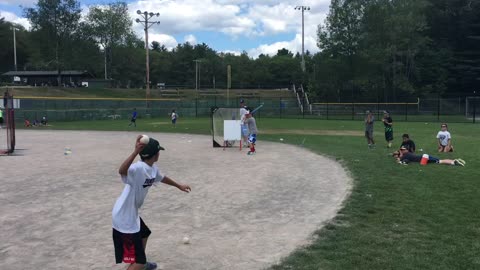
x: 123, y: 170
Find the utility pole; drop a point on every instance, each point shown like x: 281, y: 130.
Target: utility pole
x: 146, y: 16
x: 197, y: 73
x: 15, y: 48
x: 303, y: 8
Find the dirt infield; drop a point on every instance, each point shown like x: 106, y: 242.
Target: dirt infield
x: 244, y: 212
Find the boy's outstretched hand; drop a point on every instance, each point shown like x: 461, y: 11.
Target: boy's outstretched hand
x: 184, y: 188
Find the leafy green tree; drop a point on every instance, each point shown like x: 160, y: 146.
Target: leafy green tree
x: 55, y: 22
x: 109, y: 26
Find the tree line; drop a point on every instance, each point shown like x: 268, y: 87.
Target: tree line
x: 370, y: 50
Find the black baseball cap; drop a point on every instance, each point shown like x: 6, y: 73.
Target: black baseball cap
x: 242, y: 101
x: 151, y: 149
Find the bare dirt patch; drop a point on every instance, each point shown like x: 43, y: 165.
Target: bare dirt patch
x: 244, y: 212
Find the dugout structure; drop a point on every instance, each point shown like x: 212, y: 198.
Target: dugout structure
x: 9, y: 123
x: 226, y: 130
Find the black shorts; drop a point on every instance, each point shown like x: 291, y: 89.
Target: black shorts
x: 129, y: 246
x: 133, y: 120
x: 389, y: 135
x: 1, y: 120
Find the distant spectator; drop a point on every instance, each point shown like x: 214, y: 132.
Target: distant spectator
x: 388, y: 123
x: 44, y: 120
x: 133, y: 120
x: 408, y: 143
x: 243, y: 125
x: 174, y: 117
x: 1, y: 118
x: 444, y: 139
x: 369, y: 121
x: 27, y: 123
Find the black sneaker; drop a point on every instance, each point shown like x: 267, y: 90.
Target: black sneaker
x: 150, y: 266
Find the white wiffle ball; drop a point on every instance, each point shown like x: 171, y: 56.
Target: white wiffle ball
x: 144, y: 139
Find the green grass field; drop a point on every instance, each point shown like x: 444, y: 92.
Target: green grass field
x: 397, y: 217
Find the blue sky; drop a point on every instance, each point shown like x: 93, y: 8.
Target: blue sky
x: 262, y: 26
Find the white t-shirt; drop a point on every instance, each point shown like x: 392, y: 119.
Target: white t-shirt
x: 443, y: 136
x: 174, y: 116
x: 139, y: 179
x: 243, y: 111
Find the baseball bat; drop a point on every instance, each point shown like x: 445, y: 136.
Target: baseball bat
x: 256, y: 109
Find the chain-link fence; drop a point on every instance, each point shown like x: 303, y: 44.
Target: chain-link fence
x: 462, y: 109
x: 72, y: 109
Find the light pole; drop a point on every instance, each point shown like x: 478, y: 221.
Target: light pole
x: 303, y: 8
x: 197, y: 73
x: 14, y: 48
x: 146, y: 16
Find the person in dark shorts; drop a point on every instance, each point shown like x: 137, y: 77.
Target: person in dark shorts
x: 133, y: 120
x: 130, y: 233
x: 388, y: 123
x: 406, y: 157
x: 369, y: 121
x: 408, y: 143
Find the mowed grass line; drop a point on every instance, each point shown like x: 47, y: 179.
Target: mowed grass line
x: 397, y: 217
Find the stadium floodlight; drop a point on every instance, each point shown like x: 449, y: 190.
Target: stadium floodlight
x: 145, y: 21
x: 303, y: 8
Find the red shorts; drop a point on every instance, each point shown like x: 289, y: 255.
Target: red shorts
x: 129, y: 246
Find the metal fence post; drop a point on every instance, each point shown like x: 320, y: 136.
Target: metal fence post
x: 281, y: 105
x: 196, y: 107
x: 353, y: 111
x: 327, y: 110
x: 474, y: 108
x: 406, y: 111
x: 303, y: 106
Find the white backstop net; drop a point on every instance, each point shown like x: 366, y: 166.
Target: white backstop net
x: 218, y: 121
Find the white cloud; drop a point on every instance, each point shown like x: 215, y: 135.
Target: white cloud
x: 237, y: 53
x: 168, y: 41
x: 11, y: 17
x: 190, y: 39
x: 294, y: 46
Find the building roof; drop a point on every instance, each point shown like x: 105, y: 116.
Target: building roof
x: 46, y: 73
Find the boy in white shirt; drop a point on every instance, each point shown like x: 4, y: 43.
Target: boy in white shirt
x: 174, y: 117
x: 130, y: 234
x: 244, y: 128
x: 444, y: 139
